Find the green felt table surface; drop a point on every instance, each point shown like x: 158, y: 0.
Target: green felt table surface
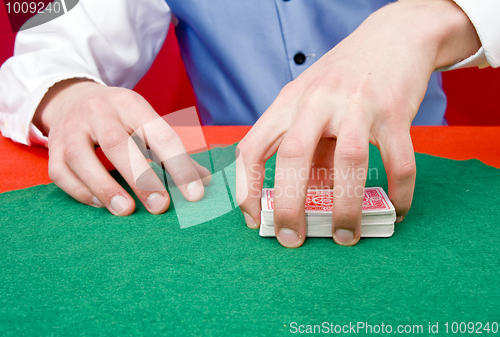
x: 68, y: 269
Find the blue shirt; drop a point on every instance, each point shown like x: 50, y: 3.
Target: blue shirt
x: 240, y: 54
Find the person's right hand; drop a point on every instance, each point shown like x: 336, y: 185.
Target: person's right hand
x: 78, y: 114
x: 367, y: 89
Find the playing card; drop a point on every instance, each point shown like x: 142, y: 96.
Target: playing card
x: 383, y: 230
x: 375, y: 200
x: 378, y: 214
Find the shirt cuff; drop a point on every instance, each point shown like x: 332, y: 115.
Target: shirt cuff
x: 484, y: 15
x: 476, y: 60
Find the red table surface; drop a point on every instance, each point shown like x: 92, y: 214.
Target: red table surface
x: 24, y: 166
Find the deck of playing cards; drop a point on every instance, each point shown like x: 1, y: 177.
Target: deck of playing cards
x: 377, y: 218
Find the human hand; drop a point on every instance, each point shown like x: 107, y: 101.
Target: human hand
x: 365, y: 90
x: 77, y: 115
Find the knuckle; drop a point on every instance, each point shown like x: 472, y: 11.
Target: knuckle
x: 316, y: 91
x: 112, y: 140
x: 286, y: 215
x: 405, y: 170
x: 288, y: 91
x: 243, y: 146
x: 347, y: 217
x: 290, y: 94
x: 393, y: 105
x: 104, y: 186
x: 394, y: 111
x: 292, y: 147
x: 347, y: 212
x: 81, y: 192
x: 73, y: 152
x: 166, y: 136
x: 55, y: 173
x: 93, y: 103
x: 148, y: 181
x: 184, y: 174
x: 353, y: 154
x: 246, y: 149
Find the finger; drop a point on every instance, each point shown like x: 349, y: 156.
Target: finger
x: 350, y: 164
x: 81, y: 158
x: 205, y: 175
x: 322, y: 168
x: 65, y: 179
x: 168, y: 147
x: 252, y: 152
x: 124, y: 153
x: 249, y: 182
x: 293, y: 166
x: 399, y: 162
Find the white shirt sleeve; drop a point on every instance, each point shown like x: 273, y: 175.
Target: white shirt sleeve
x: 112, y: 42
x: 485, y: 16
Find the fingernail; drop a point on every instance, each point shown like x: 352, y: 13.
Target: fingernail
x: 250, y: 221
x: 119, y: 204
x: 288, y: 238
x: 344, y: 237
x: 96, y: 202
x: 400, y: 218
x: 156, y: 201
x: 194, y: 191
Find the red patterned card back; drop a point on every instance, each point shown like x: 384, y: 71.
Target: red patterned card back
x: 322, y: 200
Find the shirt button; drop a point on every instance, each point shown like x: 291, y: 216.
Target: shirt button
x: 299, y: 58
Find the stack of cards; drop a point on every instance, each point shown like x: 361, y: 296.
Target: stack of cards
x: 377, y: 219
